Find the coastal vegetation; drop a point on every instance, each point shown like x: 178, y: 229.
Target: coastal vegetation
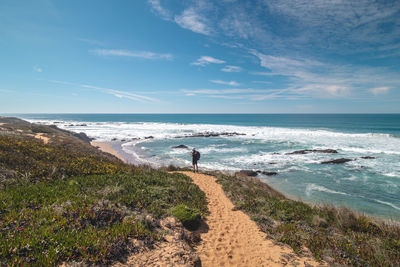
x: 67, y: 202
x: 334, y: 235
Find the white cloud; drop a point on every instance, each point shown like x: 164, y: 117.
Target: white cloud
x: 314, y: 78
x: 379, y: 90
x: 190, y: 19
x: 37, y: 68
x: 127, y: 53
x: 353, y: 21
x: 231, y: 83
x: 230, y: 68
x: 205, y: 60
x: 248, y: 93
x: 121, y: 94
x: 90, y: 41
x: 114, y: 92
x: 156, y: 7
x: 324, y: 90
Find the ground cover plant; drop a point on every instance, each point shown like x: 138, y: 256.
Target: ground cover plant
x: 335, y: 235
x: 60, y: 204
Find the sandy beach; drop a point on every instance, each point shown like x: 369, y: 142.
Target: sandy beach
x: 106, y: 147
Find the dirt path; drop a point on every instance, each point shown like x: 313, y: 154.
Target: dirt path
x: 233, y: 239
x: 41, y: 137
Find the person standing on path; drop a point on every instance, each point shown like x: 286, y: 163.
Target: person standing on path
x: 195, y: 157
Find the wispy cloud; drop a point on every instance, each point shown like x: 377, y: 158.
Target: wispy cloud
x: 114, y: 92
x: 230, y: 68
x: 128, y: 53
x: 231, y: 83
x: 379, y: 90
x: 319, y: 79
x: 157, y: 8
x: 121, y: 94
x: 279, y: 25
x: 90, y: 41
x: 37, y: 68
x: 205, y: 60
x: 247, y: 93
x: 190, y: 19
x: 231, y: 91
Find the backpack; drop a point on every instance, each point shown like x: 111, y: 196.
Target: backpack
x: 197, y: 155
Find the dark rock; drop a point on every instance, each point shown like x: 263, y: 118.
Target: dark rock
x: 210, y: 134
x: 269, y: 173
x: 272, y: 163
x: 368, y: 157
x: 336, y: 161
x: 123, y: 140
x: 149, y: 137
x: 248, y: 173
x: 276, y: 153
x: 83, y: 137
x: 114, y: 139
x: 307, y: 151
x: 180, y: 146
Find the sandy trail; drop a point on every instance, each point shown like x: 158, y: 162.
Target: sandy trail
x: 41, y: 137
x: 233, y: 239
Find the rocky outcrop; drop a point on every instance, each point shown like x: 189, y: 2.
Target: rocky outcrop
x: 267, y: 173
x: 210, y: 134
x: 255, y: 173
x: 83, y: 137
x: 307, y: 151
x: 248, y: 173
x: 336, y: 161
x: 181, y: 146
x: 368, y: 157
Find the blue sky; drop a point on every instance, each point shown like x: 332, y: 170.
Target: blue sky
x: 227, y: 56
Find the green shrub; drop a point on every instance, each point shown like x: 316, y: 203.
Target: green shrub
x: 62, y: 204
x: 339, y: 234
x: 189, y: 217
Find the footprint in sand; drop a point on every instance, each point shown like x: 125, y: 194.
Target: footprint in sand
x: 251, y: 246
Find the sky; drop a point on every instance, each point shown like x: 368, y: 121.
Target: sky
x: 199, y: 56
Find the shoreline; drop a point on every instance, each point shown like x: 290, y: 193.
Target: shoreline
x: 107, y: 148
x: 115, y: 149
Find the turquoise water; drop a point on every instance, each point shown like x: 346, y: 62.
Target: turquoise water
x: 371, y: 186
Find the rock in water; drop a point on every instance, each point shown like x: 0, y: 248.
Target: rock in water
x: 248, y: 173
x: 269, y: 173
x: 368, y: 157
x: 306, y: 151
x: 336, y: 161
x: 180, y: 146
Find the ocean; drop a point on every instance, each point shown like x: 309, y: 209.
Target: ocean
x: 261, y: 142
